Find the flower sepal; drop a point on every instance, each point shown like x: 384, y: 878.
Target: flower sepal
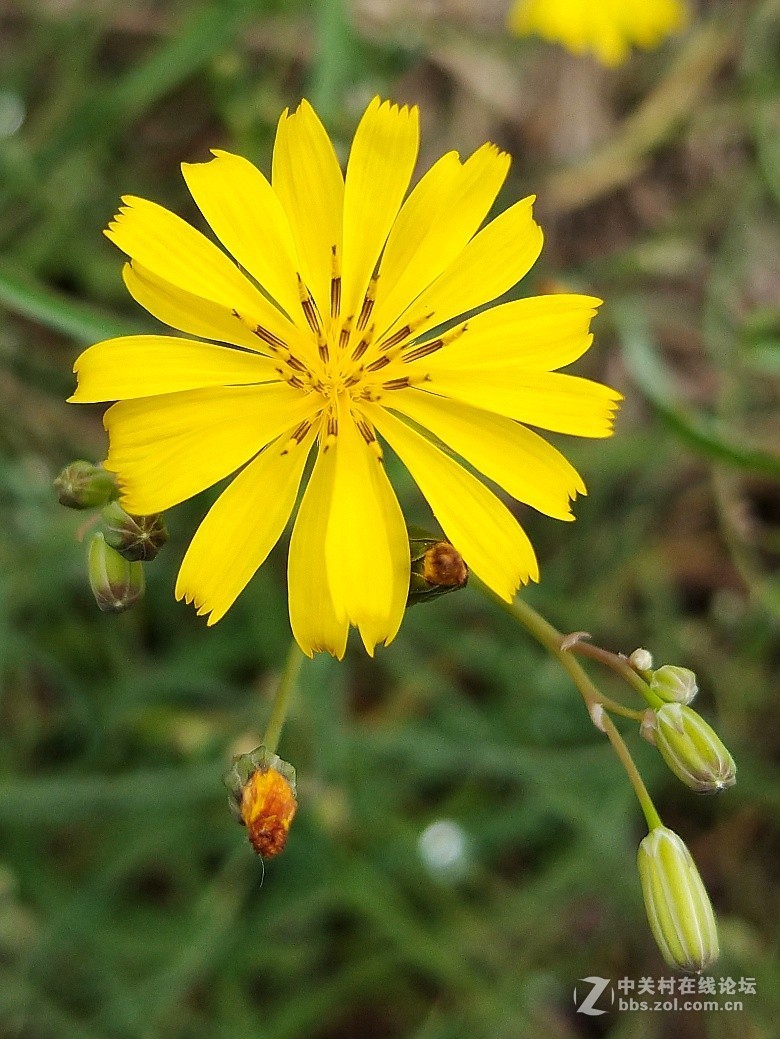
x: 137, y: 538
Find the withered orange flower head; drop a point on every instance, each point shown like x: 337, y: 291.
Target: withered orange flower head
x: 268, y: 807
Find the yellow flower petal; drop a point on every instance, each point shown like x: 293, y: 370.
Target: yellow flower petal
x: 307, y: 179
x: 380, y: 167
x: 550, y: 400
x: 436, y: 222
x: 538, y: 333
x: 527, y: 467
x: 478, y: 524
x: 242, y: 527
x: 313, y: 618
x: 493, y: 261
x: 366, y: 546
x: 246, y: 215
x: 145, y: 366
x: 607, y: 28
x: 165, y: 449
x: 187, y: 313
x: 173, y: 250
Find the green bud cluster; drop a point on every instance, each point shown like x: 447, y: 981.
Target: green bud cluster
x: 122, y: 544
x: 678, y: 908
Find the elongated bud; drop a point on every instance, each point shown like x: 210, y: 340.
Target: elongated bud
x: 137, y: 538
x: 261, y: 791
x: 82, y: 485
x: 437, y: 567
x: 674, y: 684
x: 690, y: 747
x: 678, y: 907
x: 116, y: 583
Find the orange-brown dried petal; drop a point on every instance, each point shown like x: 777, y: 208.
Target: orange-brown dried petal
x: 268, y: 808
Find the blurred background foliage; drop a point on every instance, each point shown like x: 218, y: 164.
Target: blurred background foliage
x: 131, y: 906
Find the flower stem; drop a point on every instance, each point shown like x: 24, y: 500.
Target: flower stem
x: 553, y: 641
x: 618, y: 664
x: 284, y: 691
x: 597, y: 704
x: 619, y: 746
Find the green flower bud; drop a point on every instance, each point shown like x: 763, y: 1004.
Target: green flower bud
x: 82, y: 485
x: 678, y: 907
x: 437, y: 567
x: 691, y: 748
x: 674, y: 684
x: 641, y: 660
x: 137, y: 538
x: 116, y: 583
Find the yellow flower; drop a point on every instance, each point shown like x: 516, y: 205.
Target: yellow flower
x: 329, y: 333
x: 606, y: 28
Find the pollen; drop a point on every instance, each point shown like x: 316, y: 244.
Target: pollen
x: 268, y: 807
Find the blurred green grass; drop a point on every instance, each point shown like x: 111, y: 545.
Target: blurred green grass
x: 130, y: 904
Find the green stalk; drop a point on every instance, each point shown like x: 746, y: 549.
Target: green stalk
x: 553, y: 641
x: 283, y: 697
x: 598, y: 704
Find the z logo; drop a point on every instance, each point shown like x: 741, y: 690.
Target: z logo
x: 587, y: 1006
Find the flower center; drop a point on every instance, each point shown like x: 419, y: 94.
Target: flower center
x: 347, y: 360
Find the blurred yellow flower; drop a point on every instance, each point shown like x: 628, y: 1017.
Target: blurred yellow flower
x: 326, y: 331
x: 605, y: 28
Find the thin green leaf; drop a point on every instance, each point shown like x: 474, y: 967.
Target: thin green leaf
x: 22, y: 295
x: 699, y: 431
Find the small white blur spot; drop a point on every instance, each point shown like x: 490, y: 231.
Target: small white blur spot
x: 12, y: 113
x: 444, y: 849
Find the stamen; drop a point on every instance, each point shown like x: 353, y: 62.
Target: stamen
x: 396, y: 338
x: 405, y: 332
x: 378, y: 364
x: 365, y: 431
x: 266, y: 336
x: 300, y: 432
x: 397, y: 384
x: 297, y: 437
x: 322, y: 350
x: 335, y: 285
x: 416, y: 352
x: 423, y: 350
x: 309, y: 307
x: 293, y: 362
x: 360, y: 349
x: 346, y: 332
x: 368, y: 302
